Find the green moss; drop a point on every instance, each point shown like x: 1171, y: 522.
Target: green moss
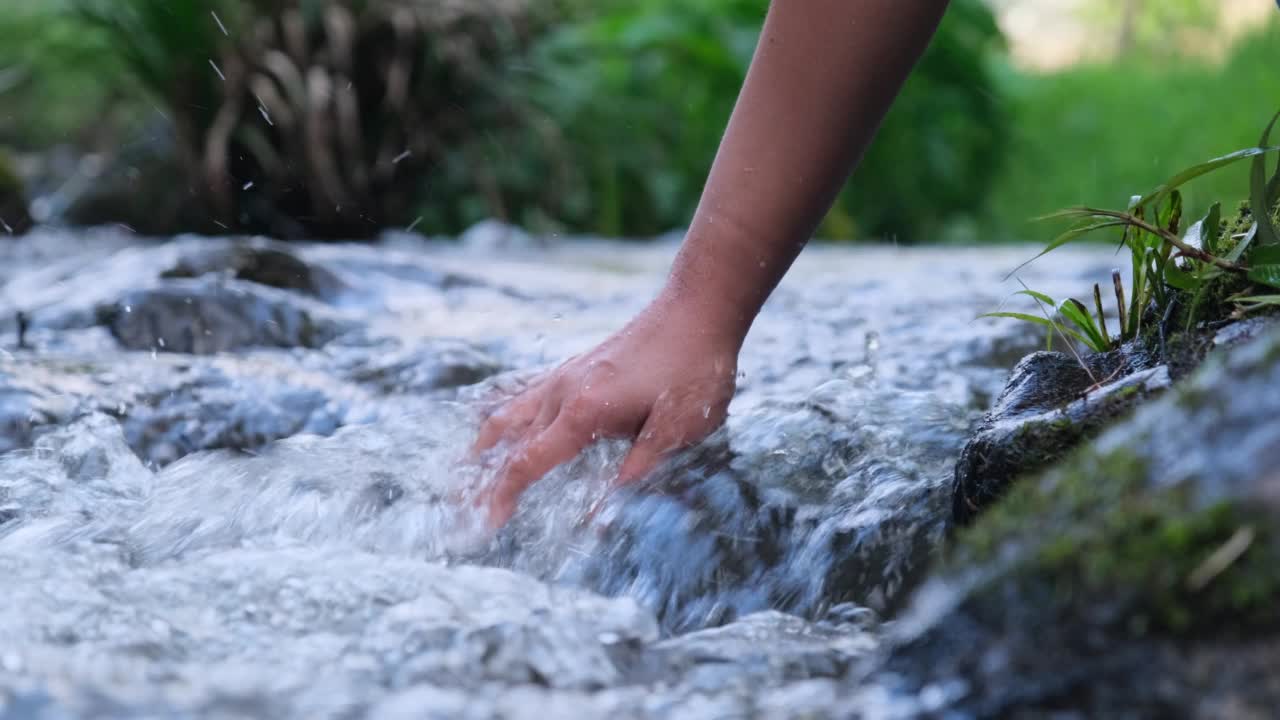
x: 1097, y: 533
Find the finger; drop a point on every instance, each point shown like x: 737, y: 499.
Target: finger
x: 510, y: 420
x: 557, y: 444
x: 652, y: 444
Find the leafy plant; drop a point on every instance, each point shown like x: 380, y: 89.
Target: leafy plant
x: 322, y: 119
x: 1170, y: 265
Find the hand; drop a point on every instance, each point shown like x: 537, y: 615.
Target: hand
x: 665, y: 380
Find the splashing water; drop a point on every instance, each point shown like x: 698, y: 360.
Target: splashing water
x: 344, y: 569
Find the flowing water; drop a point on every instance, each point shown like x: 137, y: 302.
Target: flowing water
x: 329, y: 564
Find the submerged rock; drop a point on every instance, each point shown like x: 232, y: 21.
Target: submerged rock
x: 1138, y: 579
x: 256, y: 261
x: 169, y: 407
x: 204, y: 317
x: 208, y: 409
x: 439, y: 363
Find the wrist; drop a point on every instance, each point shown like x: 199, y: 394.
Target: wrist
x: 703, y: 312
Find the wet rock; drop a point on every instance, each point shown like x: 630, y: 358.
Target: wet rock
x: 1137, y: 579
x: 207, y: 316
x: 170, y: 408
x: 435, y: 364
x: 1050, y: 405
x: 256, y: 261
x: 15, y: 219
x: 207, y: 408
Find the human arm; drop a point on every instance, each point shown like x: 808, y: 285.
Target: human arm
x: 823, y: 76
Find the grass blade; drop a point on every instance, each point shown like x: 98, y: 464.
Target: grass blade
x: 1037, y: 320
x: 1255, y: 302
x: 1038, y: 296
x: 1265, y: 275
x: 1238, y: 251
x: 1102, y: 316
x: 1120, y: 306
x: 1208, y: 166
x: 1078, y: 314
x: 1258, y: 192
x: 1066, y: 237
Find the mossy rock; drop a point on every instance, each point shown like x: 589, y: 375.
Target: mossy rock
x: 15, y: 218
x: 1140, y: 578
x: 1051, y: 403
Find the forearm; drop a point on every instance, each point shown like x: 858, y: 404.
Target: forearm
x: 823, y: 76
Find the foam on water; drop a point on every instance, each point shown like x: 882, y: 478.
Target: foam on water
x: 350, y: 574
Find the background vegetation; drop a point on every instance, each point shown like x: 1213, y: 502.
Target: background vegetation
x: 575, y: 116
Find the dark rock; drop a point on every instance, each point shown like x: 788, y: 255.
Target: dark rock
x: 422, y: 367
x: 257, y: 261
x: 145, y: 188
x: 1050, y: 405
x: 1137, y: 579
x: 206, y: 316
x: 15, y: 217
x: 169, y: 409
x: 209, y: 409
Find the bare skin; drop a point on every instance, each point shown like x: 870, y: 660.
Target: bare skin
x: 823, y: 76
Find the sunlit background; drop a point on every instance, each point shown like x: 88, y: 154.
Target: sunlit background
x: 341, y: 119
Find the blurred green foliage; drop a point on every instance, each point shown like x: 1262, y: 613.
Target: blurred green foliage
x: 58, y: 82
x: 1090, y: 134
x: 604, y: 116
x: 621, y: 106
x: 641, y: 92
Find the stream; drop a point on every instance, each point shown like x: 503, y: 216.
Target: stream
x: 264, y: 512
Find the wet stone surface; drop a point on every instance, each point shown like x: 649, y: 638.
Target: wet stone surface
x: 1137, y: 579
x: 1052, y: 403
x: 276, y: 518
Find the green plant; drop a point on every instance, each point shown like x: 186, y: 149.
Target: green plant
x: 1087, y: 135
x: 640, y: 93
x: 322, y: 119
x: 1169, y: 266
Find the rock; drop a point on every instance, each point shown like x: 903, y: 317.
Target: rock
x: 256, y: 261
x: 171, y: 409
x: 145, y: 188
x: 208, y: 409
x: 422, y: 367
x: 206, y: 316
x: 1049, y: 406
x: 15, y: 217
x: 1137, y: 579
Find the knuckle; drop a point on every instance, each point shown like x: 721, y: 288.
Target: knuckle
x: 581, y: 411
